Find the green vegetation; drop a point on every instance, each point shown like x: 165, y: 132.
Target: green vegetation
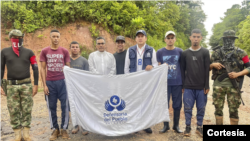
x: 119, y: 17
x: 94, y: 31
x: 85, y: 51
x: 40, y: 36
x: 236, y: 18
x: 6, y: 38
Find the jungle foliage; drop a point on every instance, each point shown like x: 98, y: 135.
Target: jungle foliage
x: 236, y: 18
x: 119, y: 17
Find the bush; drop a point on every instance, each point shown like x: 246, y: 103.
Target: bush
x: 120, y: 17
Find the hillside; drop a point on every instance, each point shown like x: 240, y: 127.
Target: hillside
x: 79, y: 32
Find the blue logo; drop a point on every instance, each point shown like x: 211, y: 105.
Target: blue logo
x: 172, y: 61
x: 115, y: 103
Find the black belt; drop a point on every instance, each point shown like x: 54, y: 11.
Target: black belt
x: 18, y: 82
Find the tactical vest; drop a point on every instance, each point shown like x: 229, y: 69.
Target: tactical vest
x: 235, y: 62
x: 147, y: 57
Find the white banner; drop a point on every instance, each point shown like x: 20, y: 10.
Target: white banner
x: 120, y: 104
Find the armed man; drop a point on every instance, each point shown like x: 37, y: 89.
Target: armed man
x: 20, y: 90
x: 228, y: 63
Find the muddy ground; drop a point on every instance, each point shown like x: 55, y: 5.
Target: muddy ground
x: 40, y: 127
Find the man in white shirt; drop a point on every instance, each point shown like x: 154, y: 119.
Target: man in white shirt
x: 140, y: 57
x: 100, y: 61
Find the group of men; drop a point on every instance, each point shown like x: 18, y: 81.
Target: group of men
x: 188, y: 74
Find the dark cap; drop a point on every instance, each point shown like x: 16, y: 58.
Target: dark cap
x: 141, y: 31
x: 120, y: 38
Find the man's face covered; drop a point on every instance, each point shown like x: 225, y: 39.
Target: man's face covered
x: 17, y: 42
x: 228, y: 43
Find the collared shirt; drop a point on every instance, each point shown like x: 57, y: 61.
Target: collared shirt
x: 102, y: 63
x: 140, y: 53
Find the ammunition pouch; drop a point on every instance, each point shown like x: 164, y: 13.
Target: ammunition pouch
x: 4, y: 85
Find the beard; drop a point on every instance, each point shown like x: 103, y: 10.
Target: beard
x: 195, y: 44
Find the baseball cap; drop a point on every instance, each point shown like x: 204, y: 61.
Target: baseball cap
x: 120, y: 38
x: 169, y: 32
x: 141, y: 31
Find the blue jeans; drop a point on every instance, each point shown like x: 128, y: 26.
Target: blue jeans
x: 176, y: 92
x: 190, y: 96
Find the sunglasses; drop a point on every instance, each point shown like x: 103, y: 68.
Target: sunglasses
x: 100, y: 43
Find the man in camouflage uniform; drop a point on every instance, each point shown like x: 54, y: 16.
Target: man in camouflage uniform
x: 19, y: 88
x: 236, y: 59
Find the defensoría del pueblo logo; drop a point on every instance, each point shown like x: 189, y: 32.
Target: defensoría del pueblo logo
x: 115, y: 103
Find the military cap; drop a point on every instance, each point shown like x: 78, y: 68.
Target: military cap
x: 229, y: 33
x: 15, y: 32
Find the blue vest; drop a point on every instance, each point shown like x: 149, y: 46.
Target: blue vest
x: 147, y: 57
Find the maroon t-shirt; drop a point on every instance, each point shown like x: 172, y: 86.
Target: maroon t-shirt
x: 55, y: 60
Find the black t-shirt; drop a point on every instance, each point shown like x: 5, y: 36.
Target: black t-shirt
x: 120, y: 61
x: 18, y: 68
x: 195, y: 69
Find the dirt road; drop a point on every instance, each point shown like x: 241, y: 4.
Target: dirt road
x: 40, y: 127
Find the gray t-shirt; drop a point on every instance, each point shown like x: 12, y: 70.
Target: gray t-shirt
x: 79, y: 63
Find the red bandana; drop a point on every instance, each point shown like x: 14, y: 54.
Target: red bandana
x: 15, y: 46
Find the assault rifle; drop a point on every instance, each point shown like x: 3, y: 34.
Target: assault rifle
x: 234, y: 82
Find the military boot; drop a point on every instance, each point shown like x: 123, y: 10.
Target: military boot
x: 26, y: 135
x: 234, y: 121
x: 54, y: 134
x: 219, y: 120
x: 18, y: 135
x: 64, y: 134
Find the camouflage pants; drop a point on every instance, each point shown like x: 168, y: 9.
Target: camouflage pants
x: 233, y: 100
x: 20, y: 102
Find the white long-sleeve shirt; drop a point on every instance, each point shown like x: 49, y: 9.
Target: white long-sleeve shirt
x: 102, y: 63
x: 140, y: 53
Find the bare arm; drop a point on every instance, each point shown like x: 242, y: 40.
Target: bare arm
x: 67, y: 64
x: 43, y: 74
x: 234, y: 75
x: 217, y: 66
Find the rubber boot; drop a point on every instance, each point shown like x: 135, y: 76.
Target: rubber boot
x: 165, y: 128
x: 234, y: 121
x: 26, y: 135
x: 18, y: 135
x: 176, y: 121
x: 219, y: 120
x: 148, y: 130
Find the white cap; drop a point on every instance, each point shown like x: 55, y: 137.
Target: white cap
x: 169, y: 32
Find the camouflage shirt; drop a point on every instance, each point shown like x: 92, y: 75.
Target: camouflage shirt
x: 218, y: 56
